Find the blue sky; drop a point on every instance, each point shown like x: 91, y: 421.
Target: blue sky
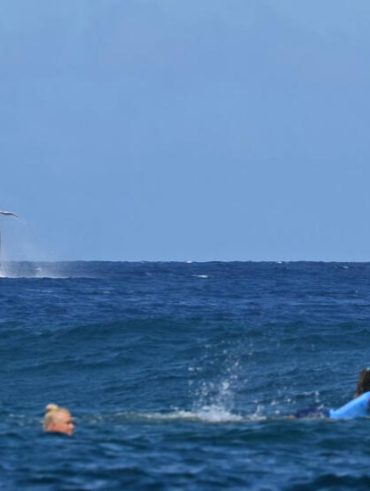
x: 185, y: 130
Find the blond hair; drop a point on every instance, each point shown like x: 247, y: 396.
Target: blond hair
x: 50, y: 411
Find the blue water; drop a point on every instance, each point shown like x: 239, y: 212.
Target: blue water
x: 180, y: 375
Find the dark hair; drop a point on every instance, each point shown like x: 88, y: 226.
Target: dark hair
x: 363, y: 384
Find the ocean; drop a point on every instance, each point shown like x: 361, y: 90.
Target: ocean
x: 180, y: 376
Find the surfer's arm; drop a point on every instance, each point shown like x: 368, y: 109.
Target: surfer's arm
x: 357, y: 408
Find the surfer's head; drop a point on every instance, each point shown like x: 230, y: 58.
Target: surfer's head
x: 363, y: 384
x: 58, y: 420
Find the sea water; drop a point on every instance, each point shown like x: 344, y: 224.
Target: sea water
x: 181, y: 376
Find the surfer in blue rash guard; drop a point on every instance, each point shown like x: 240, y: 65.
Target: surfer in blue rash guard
x: 359, y: 407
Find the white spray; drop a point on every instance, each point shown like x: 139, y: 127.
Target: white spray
x: 4, y: 213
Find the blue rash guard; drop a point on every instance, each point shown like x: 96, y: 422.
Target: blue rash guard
x: 357, y: 408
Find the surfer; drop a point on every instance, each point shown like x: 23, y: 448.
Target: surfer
x: 58, y: 420
x: 359, y: 407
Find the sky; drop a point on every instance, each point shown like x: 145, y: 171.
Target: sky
x: 180, y: 130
